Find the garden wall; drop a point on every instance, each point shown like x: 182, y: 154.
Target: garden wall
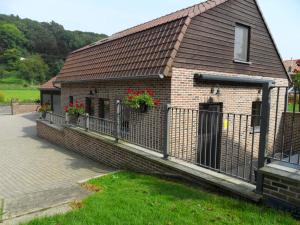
x: 20, y: 108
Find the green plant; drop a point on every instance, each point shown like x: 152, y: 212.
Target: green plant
x: 44, y: 108
x: 77, y: 109
x: 135, y: 99
x: 2, y: 97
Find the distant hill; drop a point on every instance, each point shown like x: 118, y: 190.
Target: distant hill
x: 35, y: 51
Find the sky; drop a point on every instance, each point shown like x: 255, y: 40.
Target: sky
x: 115, y: 15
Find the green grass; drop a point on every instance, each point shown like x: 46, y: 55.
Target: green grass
x: 24, y: 95
x: 291, y: 107
x: 15, y: 88
x: 129, y: 198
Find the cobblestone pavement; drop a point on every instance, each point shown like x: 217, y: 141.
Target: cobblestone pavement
x: 30, y: 165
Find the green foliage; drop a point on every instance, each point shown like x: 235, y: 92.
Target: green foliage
x: 10, y: 36
x: 33, y: 69
x: 76, y: 109
x: 25, y: 38
x: 296, y: 79
x: 10, y: 57
x: 2, y: 97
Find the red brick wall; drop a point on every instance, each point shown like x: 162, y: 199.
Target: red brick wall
x: 20, y: 108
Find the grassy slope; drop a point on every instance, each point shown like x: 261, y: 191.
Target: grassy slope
x: 128, y: 198
x: 14, y: 88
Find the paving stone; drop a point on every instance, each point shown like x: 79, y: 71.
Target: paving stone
x: 30, y: 165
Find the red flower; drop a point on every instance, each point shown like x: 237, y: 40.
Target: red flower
x: 150, y: 92
x: 130, y: 97
x: 71, y: 104
x: 157, y: 102
x: 130, y: 91
x: 66, y: 108
x: 81, y: 105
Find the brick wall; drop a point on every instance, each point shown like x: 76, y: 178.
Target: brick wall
x: 236, y: 145
x: 20, y: 108
x: 282, y: 187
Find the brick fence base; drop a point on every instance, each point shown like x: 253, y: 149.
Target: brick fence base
x: 282, y: 187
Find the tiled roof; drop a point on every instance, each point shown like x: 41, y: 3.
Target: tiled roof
x: 294, y: 64
x: 142, y: 51
x: 49, y: 85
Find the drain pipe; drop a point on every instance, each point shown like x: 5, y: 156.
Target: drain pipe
x: 266, y: 86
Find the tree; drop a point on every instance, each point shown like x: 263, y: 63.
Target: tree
x: 296, y: 79
x: 10, y: 57
x: 11, y: 37
x: 33, y: 69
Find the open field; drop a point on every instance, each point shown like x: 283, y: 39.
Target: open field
x: 129, y: 198
x: 24, y: 95
x: 14, y: 88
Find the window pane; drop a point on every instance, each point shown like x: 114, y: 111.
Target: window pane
x: 241, y: 43
x: 256, y: 112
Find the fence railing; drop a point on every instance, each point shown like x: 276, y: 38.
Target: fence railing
x: 229, y: 143
x: 284, y: 143
x: 223, y: 142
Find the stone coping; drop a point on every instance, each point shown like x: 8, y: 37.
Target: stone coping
x: 282, y: 171
x: 230, y: 184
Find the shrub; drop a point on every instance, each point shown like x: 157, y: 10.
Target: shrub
x: 2, y: 97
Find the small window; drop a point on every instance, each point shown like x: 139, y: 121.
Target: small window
x: 90, y: 106
x: 290, y: 69
x: 241, y: 43
x: 71, y: 99
x: 256, y: 112
x: 104, y: 108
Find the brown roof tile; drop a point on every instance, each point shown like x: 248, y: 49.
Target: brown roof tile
x: 49, y: 85
x: 142, y: 51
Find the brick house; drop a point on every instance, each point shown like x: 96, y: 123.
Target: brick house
x: 217, y: 38
x: 292, y: 66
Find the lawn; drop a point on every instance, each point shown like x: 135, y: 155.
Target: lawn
x: 291, y: 107
x: 14, y: 88
x: 129, y: 198
x: 24, y: 95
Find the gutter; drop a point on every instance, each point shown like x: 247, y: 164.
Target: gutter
x: 230, y: 80
x: 154, y: 76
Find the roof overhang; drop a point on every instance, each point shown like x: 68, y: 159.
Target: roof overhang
x: 125, y: 78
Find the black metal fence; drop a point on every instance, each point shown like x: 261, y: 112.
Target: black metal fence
x: 223, y: 142
x: 229, y: 143
x: 284, y: 138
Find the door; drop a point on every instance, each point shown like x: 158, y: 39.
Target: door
x: 90, y: 106
x: 209, y: 136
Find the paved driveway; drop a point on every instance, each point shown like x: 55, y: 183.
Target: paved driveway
x: 33, y: 170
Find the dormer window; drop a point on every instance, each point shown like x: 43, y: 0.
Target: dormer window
x: 241, y: 43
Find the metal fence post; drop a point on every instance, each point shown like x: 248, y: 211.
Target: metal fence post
x: 51, y: 119
x: 264, y: 131
x: 67, y: 118
x: 87, y: 122
x: 118, y: 121
x: 166, y: 132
